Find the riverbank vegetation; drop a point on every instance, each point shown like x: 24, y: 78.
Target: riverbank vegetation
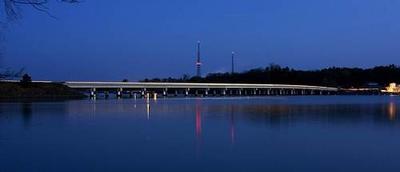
x: 274, y: 74
x: 29, y: 90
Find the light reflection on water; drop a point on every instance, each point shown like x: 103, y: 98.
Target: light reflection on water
x: 236, y: 134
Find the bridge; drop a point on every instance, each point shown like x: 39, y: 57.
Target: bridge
x: 154, y: 89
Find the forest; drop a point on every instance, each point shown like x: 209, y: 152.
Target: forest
x: 342, y: 77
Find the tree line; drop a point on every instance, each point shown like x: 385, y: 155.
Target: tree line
x: 343, y: 77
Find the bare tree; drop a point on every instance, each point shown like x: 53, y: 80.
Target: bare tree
x: 10, y: 74
x: 12, y: 11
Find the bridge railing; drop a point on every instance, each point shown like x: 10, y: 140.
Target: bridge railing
x: 77, y: 84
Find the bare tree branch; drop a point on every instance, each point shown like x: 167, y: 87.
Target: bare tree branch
x: 10, y: 74
x: 12, y: 11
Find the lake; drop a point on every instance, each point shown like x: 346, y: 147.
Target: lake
x: 310, y: 133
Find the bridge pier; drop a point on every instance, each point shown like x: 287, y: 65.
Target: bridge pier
x: 135, y: 96
x: 200, y: 89
x: 143, y: 92
x: 155, y: 96
x: 187, y: 92
x: 119, y: 93
x: 106, y: 94
x: 165, y: 92
x: 93, y: 93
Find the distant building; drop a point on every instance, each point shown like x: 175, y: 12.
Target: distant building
x: 392, y: 88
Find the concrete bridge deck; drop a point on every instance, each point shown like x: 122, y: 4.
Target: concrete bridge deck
x: 158, y: 85
x: 197, y: 89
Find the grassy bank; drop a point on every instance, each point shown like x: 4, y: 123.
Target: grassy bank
x: 9, y: 90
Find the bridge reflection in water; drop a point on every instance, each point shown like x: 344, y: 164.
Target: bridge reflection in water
x: 271, y: 112
x: 228, y: 129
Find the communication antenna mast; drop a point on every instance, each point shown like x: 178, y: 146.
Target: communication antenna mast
x: 233, y: 62
x: 198, y: 62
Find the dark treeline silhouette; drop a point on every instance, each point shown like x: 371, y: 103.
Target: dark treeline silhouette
x: 10, y: 74
x: 333, y: 76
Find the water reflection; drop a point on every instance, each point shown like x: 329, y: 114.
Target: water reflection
x: 278, y: 115
x: 198, y: 126
x: 199, y: 131
x: 274, y: 115
x: 232, y: 124
x: 148, y: 110
x: 391, y: 110
x: 26, y: 109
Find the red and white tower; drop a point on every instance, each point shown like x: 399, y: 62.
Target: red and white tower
x: 198, y: 62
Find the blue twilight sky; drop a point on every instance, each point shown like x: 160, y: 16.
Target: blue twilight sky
x: 134, y: 39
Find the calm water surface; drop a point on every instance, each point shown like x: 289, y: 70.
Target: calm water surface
x: 333, y: 133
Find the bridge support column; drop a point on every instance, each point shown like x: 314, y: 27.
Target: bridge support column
x: 206, y: 92
x: 155, y: 96
x: 224, y: 92
x: 93, y: 93
x: 119, y: 93
x: 143, y: 92
x: 176, y: 93
x: 106, y: 94
x: 147, y: 96
x: 240, y: 92
x: 165, y: 92
x: 187, y: 92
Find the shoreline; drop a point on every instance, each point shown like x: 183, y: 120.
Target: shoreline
x: 11, y: 91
